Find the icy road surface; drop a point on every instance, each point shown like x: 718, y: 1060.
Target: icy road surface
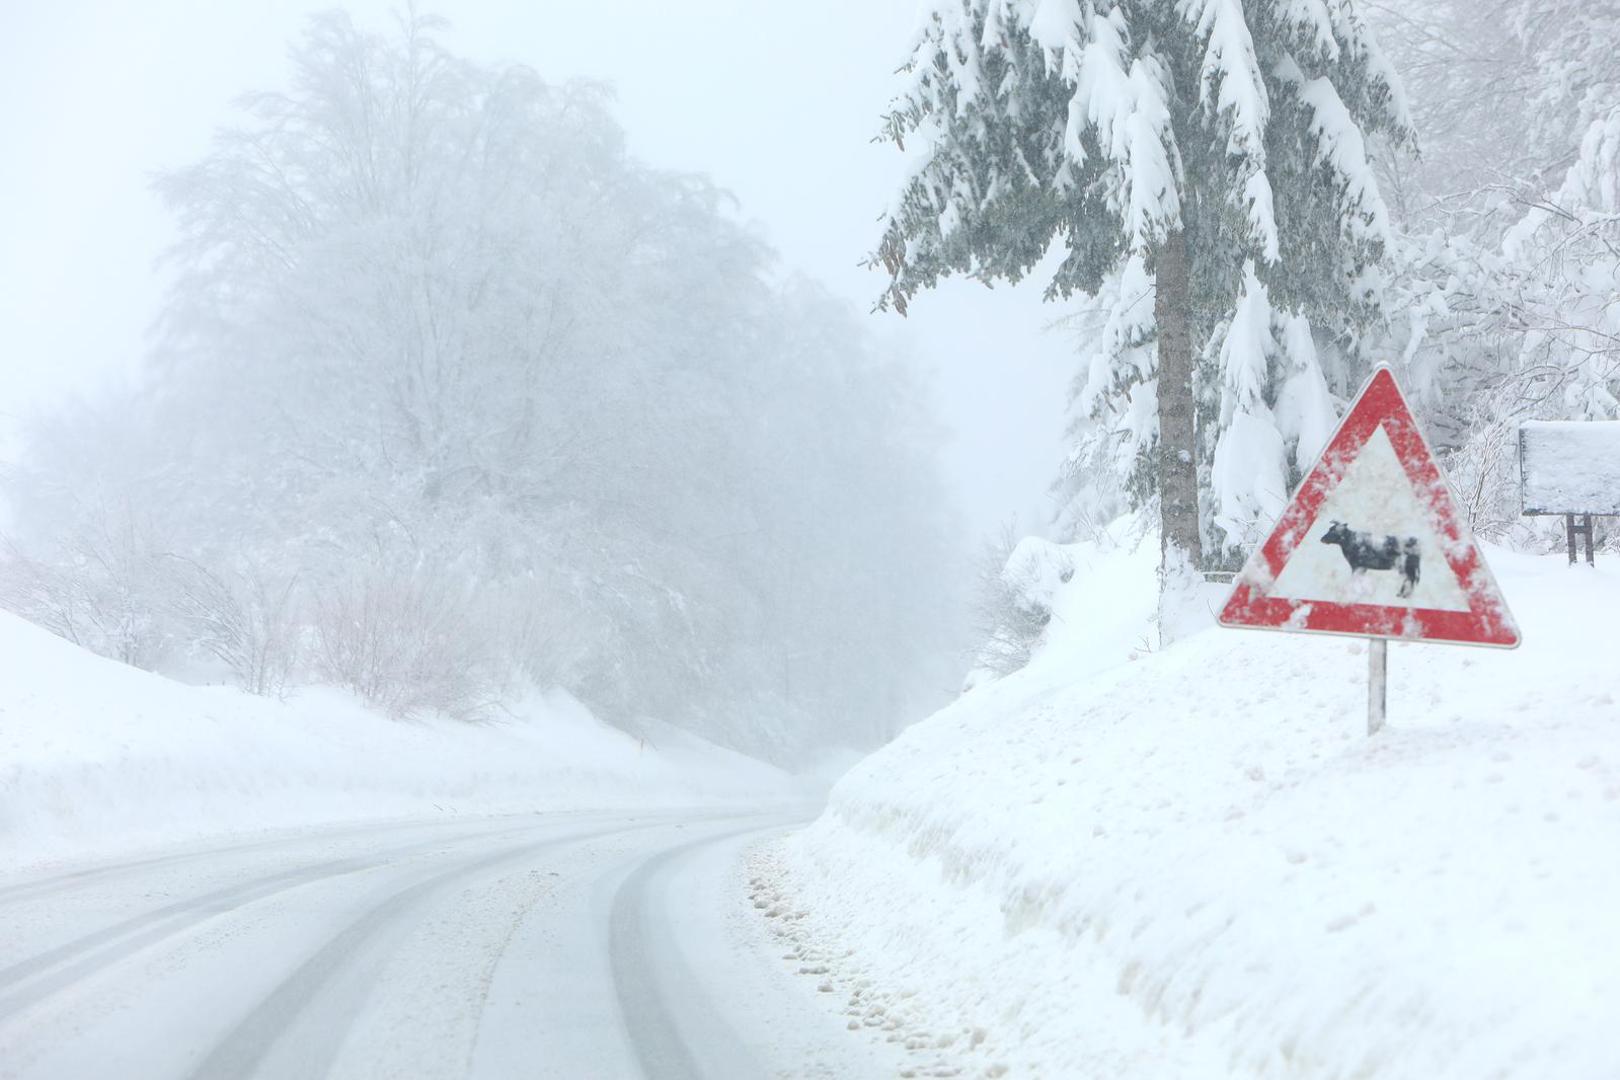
x: 557, y: 945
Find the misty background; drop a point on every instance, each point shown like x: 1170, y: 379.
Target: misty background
x: 776, y: 104
x: 493, y: 353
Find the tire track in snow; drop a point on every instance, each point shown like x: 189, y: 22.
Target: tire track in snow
x: 30, y: 891
x: 28, y: 982
x: 333, y: 974
x: 26, y: 891
x: 676, y: 1031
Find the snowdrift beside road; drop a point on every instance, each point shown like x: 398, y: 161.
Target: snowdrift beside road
x: 1194, y: 862
x: 96, y: 756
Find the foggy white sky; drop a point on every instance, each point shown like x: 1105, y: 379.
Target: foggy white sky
x: 776, y: 101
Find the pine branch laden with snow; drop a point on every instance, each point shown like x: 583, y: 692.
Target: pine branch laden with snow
x: 1275, y: 415
x: 1102, y: 126
x: 1248, y: 486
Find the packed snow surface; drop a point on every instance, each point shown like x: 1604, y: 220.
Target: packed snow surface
x: 98, y: 757
x: 1193, y: 861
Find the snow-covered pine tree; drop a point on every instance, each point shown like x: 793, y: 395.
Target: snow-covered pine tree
x: 1201, y: 165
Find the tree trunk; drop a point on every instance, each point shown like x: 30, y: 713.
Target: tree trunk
x: 1178, y: 453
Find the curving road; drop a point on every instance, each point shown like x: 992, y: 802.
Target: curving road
x: 561, y: 945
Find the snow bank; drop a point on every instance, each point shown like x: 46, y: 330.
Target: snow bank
x: 1195, y: 863
x: 96, y: 756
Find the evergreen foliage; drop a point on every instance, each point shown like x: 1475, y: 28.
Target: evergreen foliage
x: 1118, y: 132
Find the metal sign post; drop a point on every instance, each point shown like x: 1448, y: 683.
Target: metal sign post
x: 1377, y: 682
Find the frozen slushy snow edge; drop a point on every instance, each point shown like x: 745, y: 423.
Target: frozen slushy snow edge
x: 1193, y: 862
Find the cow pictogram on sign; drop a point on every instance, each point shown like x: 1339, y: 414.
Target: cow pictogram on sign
x: 1373, y: 543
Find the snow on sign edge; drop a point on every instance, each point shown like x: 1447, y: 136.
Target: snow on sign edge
x: 1487, y: 622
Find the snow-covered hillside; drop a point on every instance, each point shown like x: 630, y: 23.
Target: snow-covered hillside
x: 96, y: 756
x: 1194, y: 862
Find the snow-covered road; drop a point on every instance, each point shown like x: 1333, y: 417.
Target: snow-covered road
x: 556, y: 945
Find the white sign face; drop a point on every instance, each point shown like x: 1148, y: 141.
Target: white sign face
x: 1373, y: 542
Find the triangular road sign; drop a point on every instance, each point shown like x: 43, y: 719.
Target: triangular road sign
x: 1373, y: 543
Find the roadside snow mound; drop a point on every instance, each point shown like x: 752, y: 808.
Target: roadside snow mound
x: 1036, y: 597
x: 1036, y: 571
x: 96, y: 756
x: 1195, y: 863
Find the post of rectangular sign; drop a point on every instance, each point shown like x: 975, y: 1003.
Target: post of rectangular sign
x: 1377, y: 683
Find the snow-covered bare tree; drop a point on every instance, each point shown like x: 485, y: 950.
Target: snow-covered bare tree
x: 1507, y: 267
x: 442, y: 350
x: 1202, y: 167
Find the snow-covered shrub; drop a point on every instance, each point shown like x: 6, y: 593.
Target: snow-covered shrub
x: 101, y: 589
x: 250, y: 621
x: 541, y: 637
x: 406, y: 643
x: 1013, y: 602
